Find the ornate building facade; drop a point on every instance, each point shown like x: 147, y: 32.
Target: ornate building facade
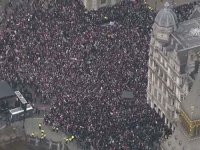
x: 95, y: 4
x: 187, y: 133
x: 173, y: 62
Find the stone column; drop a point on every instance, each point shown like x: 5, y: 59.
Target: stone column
x: 165, y: 120
x: 151, y: 105
x: 156, y: 108
x: 161, y: 114
x: 87, y: 4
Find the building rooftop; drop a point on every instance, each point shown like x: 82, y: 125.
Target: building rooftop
x: 185, y: 33
x: 20, y: 110
x: 191, y: 106
x: 195, y: 13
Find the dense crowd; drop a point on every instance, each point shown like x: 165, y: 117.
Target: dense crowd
x: 81, y: 65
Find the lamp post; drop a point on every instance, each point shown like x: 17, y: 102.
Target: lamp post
x: 155, y: 4
x: 24, y: 114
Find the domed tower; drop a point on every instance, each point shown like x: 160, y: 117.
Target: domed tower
x: 165, y: 23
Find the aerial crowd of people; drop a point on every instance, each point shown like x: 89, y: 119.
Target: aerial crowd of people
x: 81, y: 64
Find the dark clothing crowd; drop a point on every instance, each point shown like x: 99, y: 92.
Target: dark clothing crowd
x: 81, y: 64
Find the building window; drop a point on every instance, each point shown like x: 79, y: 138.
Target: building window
x: 149, y: 87
x: 103, y: 1
x: 158, y: 82
x: 173, y: 102
x: 164, y: 90
x: 155, y: 79
x: 177, y: 80
x: 174, y: 77
x: 169, y: 71
x: 161, y: 73
x: 174, y: 88
x: 150, y: 75
x: 182, y: 98
x: 160, y: 85
x: 159, y: 97
x: 164, y: 102
x: 151, y: 62
x: 168, y: 111
x: 165, y: 77
x: 156, y: 68
x: 155, y: 93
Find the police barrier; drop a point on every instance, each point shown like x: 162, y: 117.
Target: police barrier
x: 48, y: 144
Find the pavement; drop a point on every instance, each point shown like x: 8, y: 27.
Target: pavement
x: 31, y: 125
x: 159, y: 4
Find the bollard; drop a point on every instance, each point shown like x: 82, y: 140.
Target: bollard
x: 28, y: 138
x: 63, y: 145
x: 50, y: 144
x: 36, y: 141
x: 58, y: 146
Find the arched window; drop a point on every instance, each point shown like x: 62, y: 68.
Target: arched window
x: 195, y: 130
x: 198, y: 130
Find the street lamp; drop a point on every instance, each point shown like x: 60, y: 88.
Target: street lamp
x: 24, y: 114
x: 155, y: 4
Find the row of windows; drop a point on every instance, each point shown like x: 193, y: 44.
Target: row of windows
x: 158, y: 83
x: 164, y: 77
x: 164, y: 63
x: 157, y: 95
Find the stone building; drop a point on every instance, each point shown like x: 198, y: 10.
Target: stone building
x: 187, y: 134
x: 95, y: 4
x: 173, y: 62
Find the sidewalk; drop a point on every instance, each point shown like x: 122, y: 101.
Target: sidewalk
x: 31, y: 125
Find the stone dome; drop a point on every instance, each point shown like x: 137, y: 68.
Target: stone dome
x: 166, y: 17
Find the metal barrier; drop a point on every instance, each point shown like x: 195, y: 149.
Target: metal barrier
x: 48, y: 144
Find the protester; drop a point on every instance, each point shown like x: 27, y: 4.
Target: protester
x: 80, y: 64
